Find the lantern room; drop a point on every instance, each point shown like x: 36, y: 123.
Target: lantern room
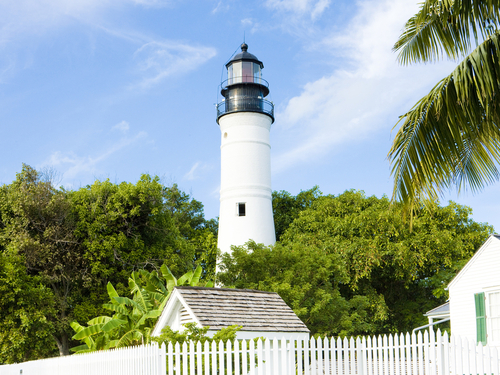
x: 244, y: 89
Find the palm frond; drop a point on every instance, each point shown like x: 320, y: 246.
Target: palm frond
x: 451, y: 136
x: 446, y: 28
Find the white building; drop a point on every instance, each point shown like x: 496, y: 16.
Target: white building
x: 245, y: 117
x: 475, y: 296
x: 474, y: 303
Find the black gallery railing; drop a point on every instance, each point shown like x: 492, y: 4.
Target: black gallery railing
x: 245, y: 105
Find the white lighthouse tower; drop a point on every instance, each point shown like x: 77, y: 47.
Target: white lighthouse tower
x: 245, y: 117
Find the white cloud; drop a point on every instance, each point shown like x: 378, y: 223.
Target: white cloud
x: 196, y: 170
x: 352, y: 104
x: 36, y: 15
x: 319, y: 8
x: 122, y: 126
x: 311, y: 8
x: 191, y: 174
x: 72, y: 165
x: 220, y: 7
x: 246, y: 22
x: 158, y: 60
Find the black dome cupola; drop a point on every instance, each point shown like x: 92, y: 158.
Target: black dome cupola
x: 244, y: 89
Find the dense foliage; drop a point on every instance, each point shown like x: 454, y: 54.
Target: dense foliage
x: 99, y: 258
x: 349, y: 264
x: 59, y: 249
x: 196, y: 334
x: 134, y: 318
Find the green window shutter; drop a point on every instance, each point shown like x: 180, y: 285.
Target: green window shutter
x: 480, y: 318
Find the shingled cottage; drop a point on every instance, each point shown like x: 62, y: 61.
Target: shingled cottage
x: 261, y: 314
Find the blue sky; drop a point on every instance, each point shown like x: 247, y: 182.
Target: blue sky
x: 100, y: 89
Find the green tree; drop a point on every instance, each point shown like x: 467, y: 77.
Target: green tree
x: 128, y: 226
x: 26, y: 308
x: 349, y: 264
x: 199, y: 232
x: 38, y: 229
x: 286, y: 207
x: 72, y: 243
x: 450, y: 136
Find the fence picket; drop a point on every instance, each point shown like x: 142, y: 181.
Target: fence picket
x: 236, y: 356
x: 244, y: 353
x: 199, y: 359
x: 267, y: 356
x: 494, y: 361
x: 340, y: 357
x: 439, y: 353
x: 313, y: 357
x: 333, y: 360
x: 229, y: 358
x: 369, y: 355
x: 300, y: 356
x: 480, y: 352
x: 306, y: 357
x: 260, y: 355
x: 319, y: 356
x: 252, y: 357
x: 326, y: 357
x: 392, y: 364
x: 284, y: 362
x: 433, y: 353
x: 397, y: 355
x: 361, y: 354
x: 426, y: 354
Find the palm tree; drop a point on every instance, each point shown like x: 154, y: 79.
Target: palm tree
x: 451, y: 137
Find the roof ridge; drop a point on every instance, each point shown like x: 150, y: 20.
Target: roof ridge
x: 223, y: 289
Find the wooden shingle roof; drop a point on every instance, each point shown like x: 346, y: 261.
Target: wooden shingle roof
x: 255, y: 310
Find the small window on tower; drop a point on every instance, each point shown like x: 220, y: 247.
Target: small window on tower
x: 241, y: 209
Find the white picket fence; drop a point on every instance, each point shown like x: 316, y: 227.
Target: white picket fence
x: 138, y: 360
x: 420, y: 354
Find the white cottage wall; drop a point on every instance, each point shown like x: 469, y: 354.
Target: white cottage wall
x: 481, y: 274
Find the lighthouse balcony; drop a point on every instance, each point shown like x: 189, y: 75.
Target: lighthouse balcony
x: 251, y: 104
x: 245, y: 79
x: 248, y: 81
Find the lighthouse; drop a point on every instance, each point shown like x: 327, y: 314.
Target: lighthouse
x: 245, y: 117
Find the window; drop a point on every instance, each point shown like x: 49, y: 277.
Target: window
x: 230, y: 76
x: 493, y: 317
x: 247, y: 71
x: 241, y: 209
x: 256, y: 73
x: 488, y: 317
x: 234, y: 73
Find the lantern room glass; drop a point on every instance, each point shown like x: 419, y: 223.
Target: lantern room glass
x: 243, y: 72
